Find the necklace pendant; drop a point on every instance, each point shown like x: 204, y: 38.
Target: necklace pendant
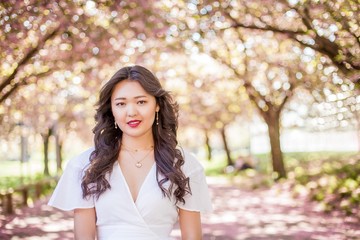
x: 138, y: 165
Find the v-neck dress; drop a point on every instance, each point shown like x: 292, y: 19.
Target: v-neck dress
x: 151, y: 217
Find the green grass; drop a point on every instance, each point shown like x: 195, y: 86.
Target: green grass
x: 14, y: 173
x: 333, y: 182
x: 292, y: 159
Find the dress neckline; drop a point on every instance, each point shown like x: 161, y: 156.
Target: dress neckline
x: 142, y: 184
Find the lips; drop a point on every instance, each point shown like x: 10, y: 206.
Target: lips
x: 134, y: 123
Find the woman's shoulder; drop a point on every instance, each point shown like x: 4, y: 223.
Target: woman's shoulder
x: 81, y: 160
x: 191, y: 163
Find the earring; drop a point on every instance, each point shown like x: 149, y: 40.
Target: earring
x: 157, y: 118
x: 115, y: 125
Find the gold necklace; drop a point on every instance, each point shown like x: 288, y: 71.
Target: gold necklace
x: 137, y: 149
x: 138, y: 163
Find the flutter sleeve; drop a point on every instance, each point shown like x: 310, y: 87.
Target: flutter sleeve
x: 199, y: 200
x: 68, y: 193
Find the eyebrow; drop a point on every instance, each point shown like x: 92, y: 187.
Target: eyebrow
x: 137, y: 97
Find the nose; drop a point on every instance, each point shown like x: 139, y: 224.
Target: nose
x: 131, y: 110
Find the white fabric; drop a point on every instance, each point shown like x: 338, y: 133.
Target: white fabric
x: 68, y: 192
x: 150, y: 217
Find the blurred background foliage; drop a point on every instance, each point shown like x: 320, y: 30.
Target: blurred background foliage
x: 248, y: 75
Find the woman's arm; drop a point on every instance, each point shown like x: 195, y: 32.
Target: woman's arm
x: 190, y: 225
x: 85, y: 224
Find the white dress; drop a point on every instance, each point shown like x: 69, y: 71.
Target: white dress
x: 150, y: 217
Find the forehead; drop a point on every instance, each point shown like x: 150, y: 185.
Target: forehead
x: 128, y: 89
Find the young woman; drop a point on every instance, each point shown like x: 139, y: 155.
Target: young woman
x: 135, y: 184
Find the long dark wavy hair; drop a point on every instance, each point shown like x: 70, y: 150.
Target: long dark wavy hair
x: 107, y: 138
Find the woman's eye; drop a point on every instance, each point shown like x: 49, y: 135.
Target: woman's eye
x: 141, y: 102
x: 120, y: 104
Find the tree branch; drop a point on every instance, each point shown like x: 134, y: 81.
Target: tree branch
x: 343, y: 20
x: 322, y: 44
x: 267, y: 28
x: 21, y: 83
x: 28, y: 56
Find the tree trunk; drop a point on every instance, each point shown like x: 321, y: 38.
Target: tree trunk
x: 46, y: 139
x: 227, y: 150
x: 357, y: 128
x: 272, y: 120
x: 58, y: 146
x: 208, y: 146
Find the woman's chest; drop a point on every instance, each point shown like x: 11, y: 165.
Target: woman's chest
x: 116, y: 205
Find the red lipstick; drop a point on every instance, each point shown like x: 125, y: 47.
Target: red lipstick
x: 134, y: 123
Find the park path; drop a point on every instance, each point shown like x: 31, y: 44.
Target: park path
x: 239, y: 213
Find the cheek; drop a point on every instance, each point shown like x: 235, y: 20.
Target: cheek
x: 117, y: 113
x: 150, y: 114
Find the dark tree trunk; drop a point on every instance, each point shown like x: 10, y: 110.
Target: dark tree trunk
x: 357, y: 128
x: 58, y: 145
x: 226, y: 147
x: 272, y: 120
x: 208, y: 146
x: 46, y: 139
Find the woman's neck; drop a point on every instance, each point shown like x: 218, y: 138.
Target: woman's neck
x: 137, y: 144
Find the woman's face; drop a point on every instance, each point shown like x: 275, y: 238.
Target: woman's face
x: 133, y: 108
